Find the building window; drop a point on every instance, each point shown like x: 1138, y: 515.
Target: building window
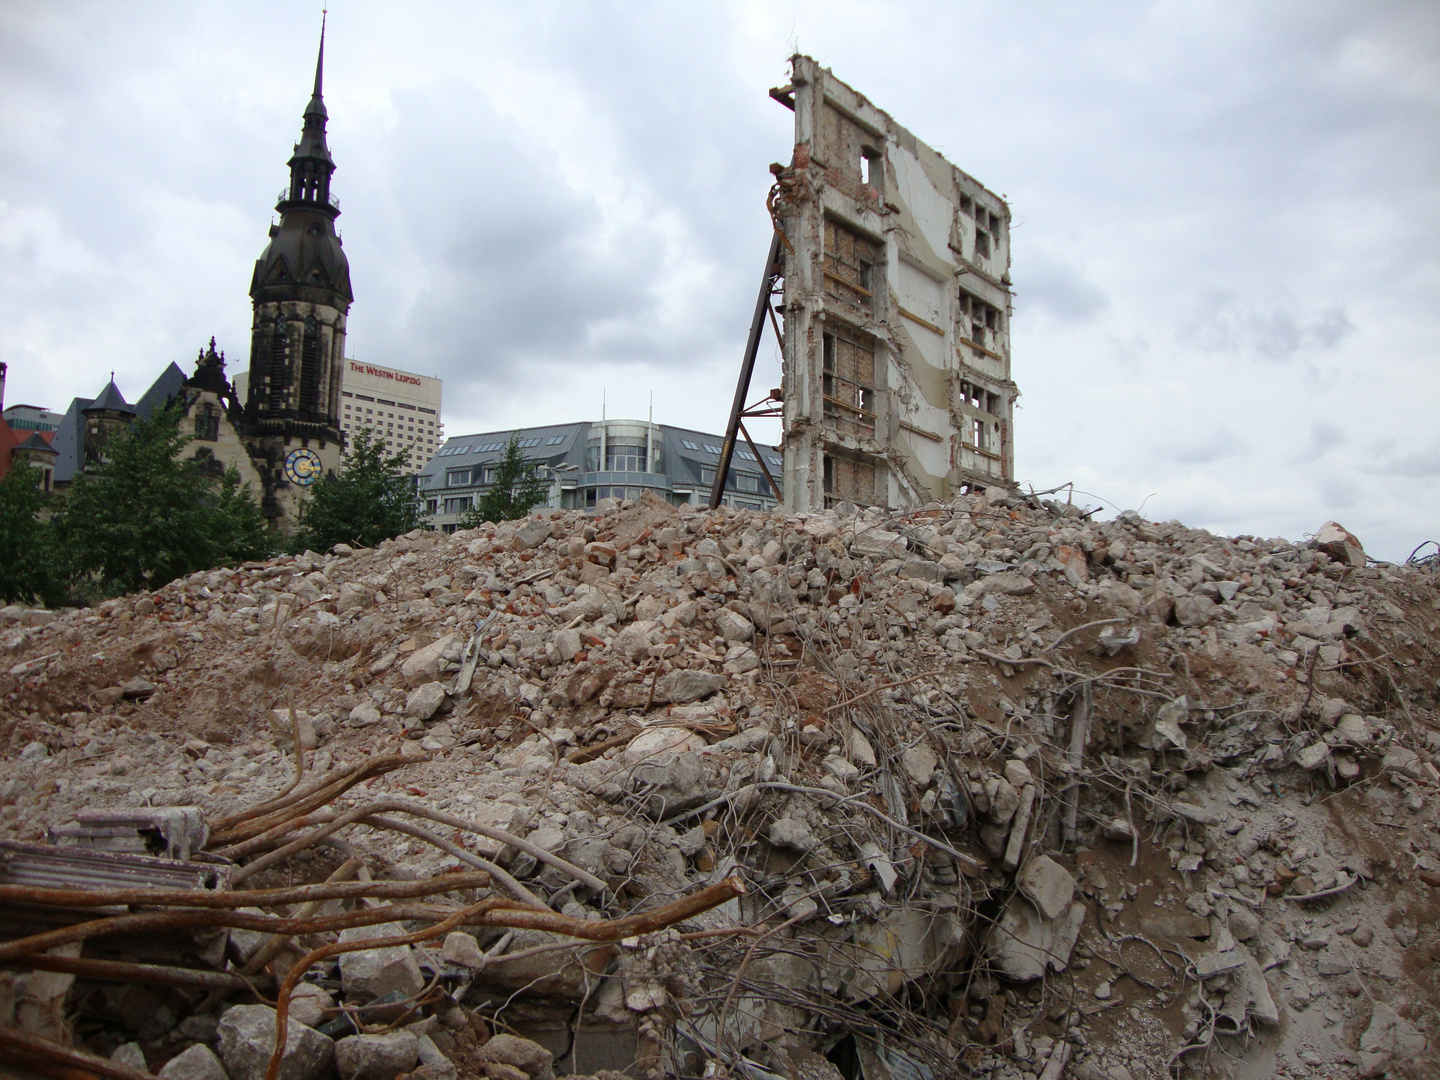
x: 458, y: 505
x: 848, y: 383
x: 848, y: 268
x: 848, y: 480
x: 625, y: 455
x: 207, y: 423
x: 747, y: 481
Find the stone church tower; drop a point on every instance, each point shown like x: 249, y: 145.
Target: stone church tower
x: 301, y: 295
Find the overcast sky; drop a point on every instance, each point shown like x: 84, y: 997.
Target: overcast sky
x: 1226, y: 244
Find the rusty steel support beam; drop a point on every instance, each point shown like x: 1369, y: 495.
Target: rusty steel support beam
x: 774, y: 269
x: 759, y: 457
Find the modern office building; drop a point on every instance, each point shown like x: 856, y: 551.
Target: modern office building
x: 586, y: 462
x: 401, y: 407
x: 32, y: 418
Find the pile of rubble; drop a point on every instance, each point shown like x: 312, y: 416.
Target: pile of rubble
x: 985, y: 789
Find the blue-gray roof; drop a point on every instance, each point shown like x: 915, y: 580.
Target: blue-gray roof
x: 167, y: 386
x: 69, y: 451
x: 111, y: 398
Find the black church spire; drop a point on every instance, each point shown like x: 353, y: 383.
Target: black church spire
x: 311, y: 165
x: 301, y: 294
x: 304, y: 260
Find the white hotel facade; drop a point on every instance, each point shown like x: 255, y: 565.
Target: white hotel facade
x: 398, y: 406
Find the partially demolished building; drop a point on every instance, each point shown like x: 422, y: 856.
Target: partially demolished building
x: 897, y: 386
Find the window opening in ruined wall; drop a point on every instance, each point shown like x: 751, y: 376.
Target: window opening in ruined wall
x: 848, y: 384
x: 849, y: 267
x: 848, y: 480
x: 985, y: 321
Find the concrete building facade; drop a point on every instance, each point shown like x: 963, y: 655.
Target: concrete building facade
x: 897, y: 384
x: 401, y: 407
x: 31, y: 417
x: 584, y: 463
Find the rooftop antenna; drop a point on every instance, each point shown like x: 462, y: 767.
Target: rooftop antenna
x: 602, y: 404
x: 651, y: 417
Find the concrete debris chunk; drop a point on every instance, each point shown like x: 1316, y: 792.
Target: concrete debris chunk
x: 247, y: 1037
x: 424, y: 701
x: 1018, y: 773
x: 672, y: 785
x: 1248, y: 996
x: 1194, y: 610
x: 197, y: 1063
x: 1340, y: 544
x: 1313, y: 757
x: 732, y: 626
x: 529, y: 1057
x: 462, y: 948
x: 308, y: 1003
x: 792, y: 833
x: 1047, y: 884
x: 532, y: 534
x: 1001, y: 584
x: 1403, y: 760
x: 682, y: 686
x: 131, y: 1056
x: 1024, y: 944
x: 434, y: 1061
x: 376, y: 972
x: 376, y: 1057
x: 920, y: 761
x: 365, y: 714
x: 662, y: 743
x: 1195, y: 814
x: 1113, y: 638
x: 1389, y: 1038
x: 425, y: 660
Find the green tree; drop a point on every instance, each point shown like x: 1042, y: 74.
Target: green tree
x: 369, y: 499
x: 146, y: 517
x: 515, y: 488
x: 28, y: 570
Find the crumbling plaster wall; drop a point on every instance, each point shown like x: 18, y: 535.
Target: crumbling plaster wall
x: 897, y: 384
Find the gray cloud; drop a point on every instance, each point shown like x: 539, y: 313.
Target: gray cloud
x: 1206, y: 448
x: 1276, y: 327
x: 1324, y: 437
x: 1055, y: 288
x: 1416, y: 460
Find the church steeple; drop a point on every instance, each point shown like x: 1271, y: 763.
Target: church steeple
x: 305, y: 252
x: 301, y: 294
x: 311, y: 165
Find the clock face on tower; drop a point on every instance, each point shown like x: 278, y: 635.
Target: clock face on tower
x: 302, y: 467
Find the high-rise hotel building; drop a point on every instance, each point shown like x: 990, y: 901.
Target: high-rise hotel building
x: 398, y: 406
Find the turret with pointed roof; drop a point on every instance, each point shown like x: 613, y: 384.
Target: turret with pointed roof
x: 105, y: 417
x: 301, y: 294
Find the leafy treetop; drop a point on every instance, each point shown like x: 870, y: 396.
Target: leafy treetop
x: 369, y: 499
x: 514, y: 488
